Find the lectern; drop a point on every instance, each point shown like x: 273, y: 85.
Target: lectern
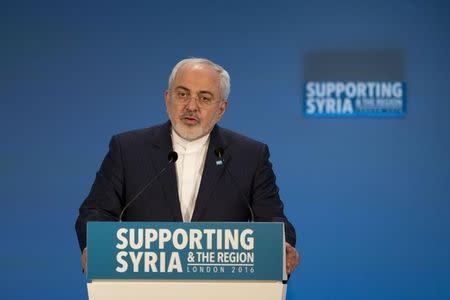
x: 198, y: 261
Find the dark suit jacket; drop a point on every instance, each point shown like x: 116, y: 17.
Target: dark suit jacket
x: 137, y: 156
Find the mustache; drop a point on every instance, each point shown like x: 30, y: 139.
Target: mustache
x: 189, y: 114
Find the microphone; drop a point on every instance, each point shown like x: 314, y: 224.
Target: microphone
x: 219, y: 153
x: 172, y: 157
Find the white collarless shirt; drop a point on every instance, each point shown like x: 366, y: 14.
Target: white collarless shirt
x: 189, y: 167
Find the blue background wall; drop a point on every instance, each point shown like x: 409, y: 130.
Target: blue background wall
x: 370, y: 198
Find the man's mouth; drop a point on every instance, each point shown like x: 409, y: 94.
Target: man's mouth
x: 189, y: 120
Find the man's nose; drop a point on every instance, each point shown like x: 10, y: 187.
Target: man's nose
x: 192, y: 103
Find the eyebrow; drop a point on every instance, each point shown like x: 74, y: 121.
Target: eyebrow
x: 186, y: 89
x: 182, y: 87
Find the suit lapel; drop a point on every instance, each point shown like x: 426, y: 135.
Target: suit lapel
x: 162, y: 147
x: 211, y: 174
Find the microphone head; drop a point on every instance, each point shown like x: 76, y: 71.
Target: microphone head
x: 219, y: 152
x: 172, y: 157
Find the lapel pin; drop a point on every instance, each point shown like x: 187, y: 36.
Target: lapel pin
x: 219, y: 162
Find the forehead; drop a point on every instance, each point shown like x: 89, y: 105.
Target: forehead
x: 197, y: 77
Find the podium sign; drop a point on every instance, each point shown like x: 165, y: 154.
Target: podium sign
x: 186, y: 251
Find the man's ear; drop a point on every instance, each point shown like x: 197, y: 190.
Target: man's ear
x: 222, y: 108
x: 166, y: 97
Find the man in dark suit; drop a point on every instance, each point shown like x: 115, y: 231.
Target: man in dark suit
x: 219, y: 176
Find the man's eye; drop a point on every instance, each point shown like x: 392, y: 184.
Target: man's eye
x: 205, y: 98
x: 182, y: 94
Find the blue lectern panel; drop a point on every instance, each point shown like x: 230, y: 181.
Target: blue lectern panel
x: 214, y: 251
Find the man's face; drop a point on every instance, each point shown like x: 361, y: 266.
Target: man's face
x: 194, y: 103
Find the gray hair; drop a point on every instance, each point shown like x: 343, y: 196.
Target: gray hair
x: 225, y: 84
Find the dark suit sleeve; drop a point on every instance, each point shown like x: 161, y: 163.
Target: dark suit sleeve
x: 104, y: 202
x: 267, y: 205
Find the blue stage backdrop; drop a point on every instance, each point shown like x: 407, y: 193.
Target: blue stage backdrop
x: 370, y: 197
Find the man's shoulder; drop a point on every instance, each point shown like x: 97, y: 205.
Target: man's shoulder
x: 148, y: 133
x: 234, y: 138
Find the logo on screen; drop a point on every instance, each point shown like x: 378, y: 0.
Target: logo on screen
x: 354, y: 98
x: 354, y: 83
